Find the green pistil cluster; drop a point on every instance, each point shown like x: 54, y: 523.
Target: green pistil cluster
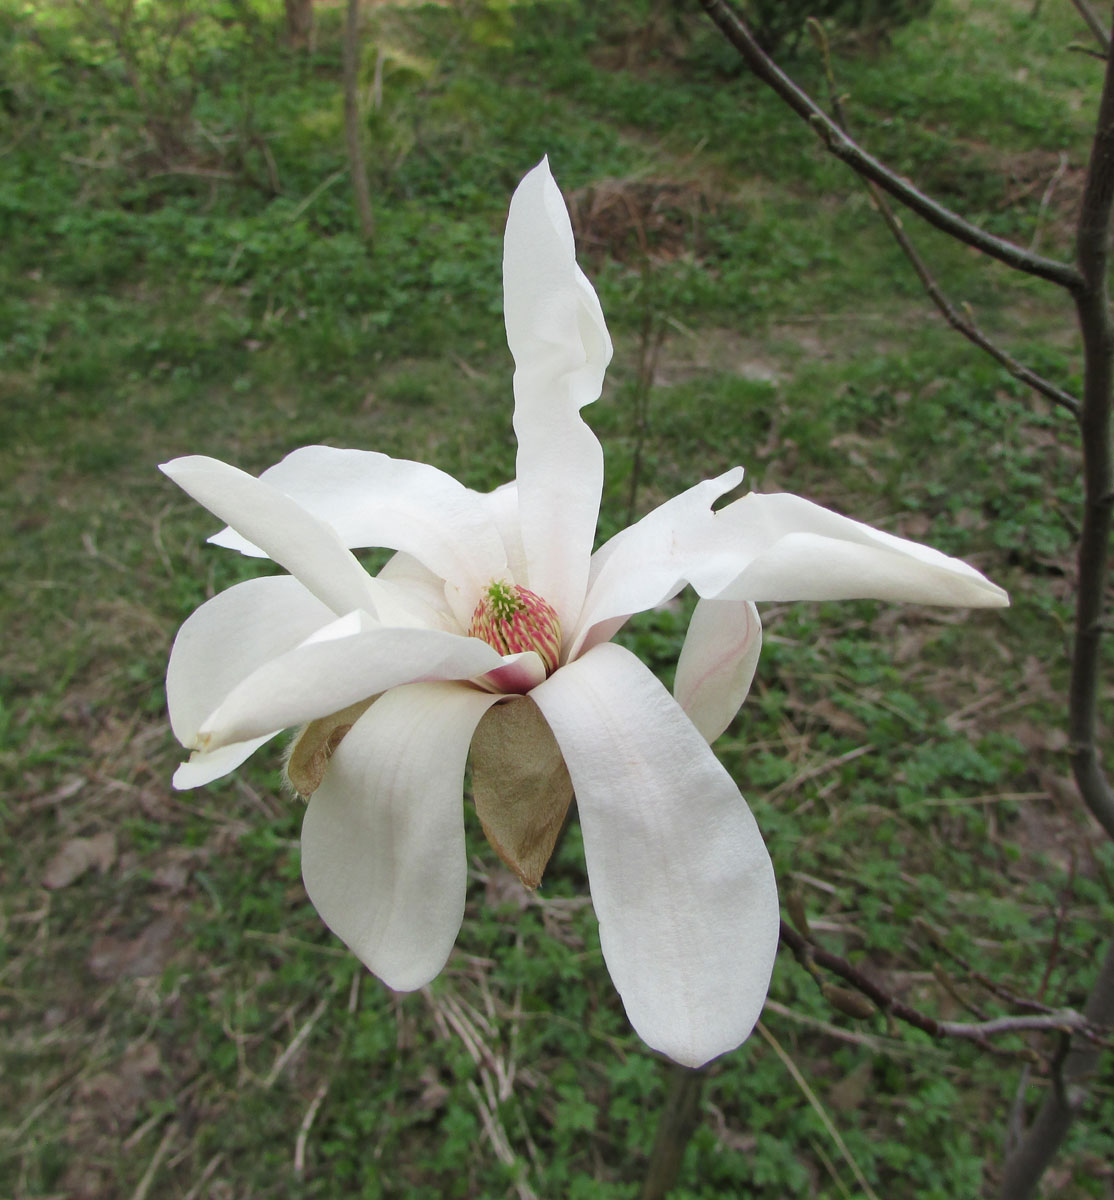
x: 503, y: 602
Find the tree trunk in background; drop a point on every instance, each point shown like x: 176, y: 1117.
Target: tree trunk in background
x: 352, y: 120
x: 299, y: 23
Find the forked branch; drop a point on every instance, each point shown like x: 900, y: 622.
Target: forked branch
x: 1066, y: 1021
x: 1087, y: 283
x: 849, y: 151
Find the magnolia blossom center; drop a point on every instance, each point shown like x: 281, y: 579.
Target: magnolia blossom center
x: 513, y: 619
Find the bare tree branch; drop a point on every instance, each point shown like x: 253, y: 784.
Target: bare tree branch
x: 1038, y: 1145
x: 1093, y: 308
x: 849, y: 151
x: 960, y: 322
x: 1094, y: 25
x: 679, y: 1115
x: 1027, y: 1161
x: 352, y: 120
x: 1084, y: 1034
x: 1066, y: 1021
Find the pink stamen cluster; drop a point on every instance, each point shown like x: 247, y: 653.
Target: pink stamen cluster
x: 513, y: 619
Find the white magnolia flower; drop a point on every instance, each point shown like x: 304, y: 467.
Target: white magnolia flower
x: 490, y: 628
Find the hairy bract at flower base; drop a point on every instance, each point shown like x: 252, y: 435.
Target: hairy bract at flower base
x: 490, y: 629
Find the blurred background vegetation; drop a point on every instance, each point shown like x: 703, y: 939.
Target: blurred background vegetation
x: 182, y: 272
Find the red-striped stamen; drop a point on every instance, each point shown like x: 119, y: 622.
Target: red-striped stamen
x: 513, y: 619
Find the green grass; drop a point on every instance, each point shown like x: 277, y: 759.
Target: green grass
x: 907, y: 766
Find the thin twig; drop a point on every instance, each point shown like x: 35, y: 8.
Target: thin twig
x: 818, y: 1108
x: 352, y: 131
x: 144, y: 1185
x: 1093, y: 24
x: 321, y: 187
x: 849, y: 151
x: 306, y: 1125
x: 206, y: 1175
x: 1046, y: 198
x: 298, y: 1041
x: 810, y: 955
x: 959, y: 321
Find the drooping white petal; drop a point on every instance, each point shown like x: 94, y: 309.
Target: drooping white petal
x: 297, y: 540
x: 652, y: 560
x: 717, y: 663
x: 328, y: 673
x: 383, y: 855
x: 231, y: 636
x: 370, y: 499
x: 791, y: 549
x: 557, y: 335
x: 205, y: 766
x: 680, y: 878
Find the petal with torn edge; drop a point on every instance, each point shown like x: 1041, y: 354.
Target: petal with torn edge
x: 327, y: 673
x: 717, y: 663
x: 205, y: 766
x: 371, y: 499
x: 383, y: 855
x: 791, y: 549
x: 559, y: 341
x: 681, y: 880
x: 292, y: 537
x: 231, y: 636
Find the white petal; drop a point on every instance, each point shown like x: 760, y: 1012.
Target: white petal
x: 420, y: 592
x: 717, y: 663
x: 203, y: 767
x: 383, y: 855
x: 681, y: 881
x: 502, y: 507
x: 652, y: 560
x: 518, y: 674
x: 304, y: 545
x: 370, y: 499
x: 324, y: 675
x: 228, y: 638
x: 791, y: 549
x: 561, y: 348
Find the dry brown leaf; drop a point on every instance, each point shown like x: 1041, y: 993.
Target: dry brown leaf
x: 78, y: 855
x: 315, y: 744
x: 520, y: 785
x: 117, y: 958
x: 850, y: 1092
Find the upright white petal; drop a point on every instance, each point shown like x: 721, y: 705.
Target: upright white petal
x: 791, y: 549
x: 681, y: 881
x: 298, y: 541
x: 717, y: 663
x: 557, y: 335
x: 324, y: 675
x: 383, y: 855
x: 370, y: 499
